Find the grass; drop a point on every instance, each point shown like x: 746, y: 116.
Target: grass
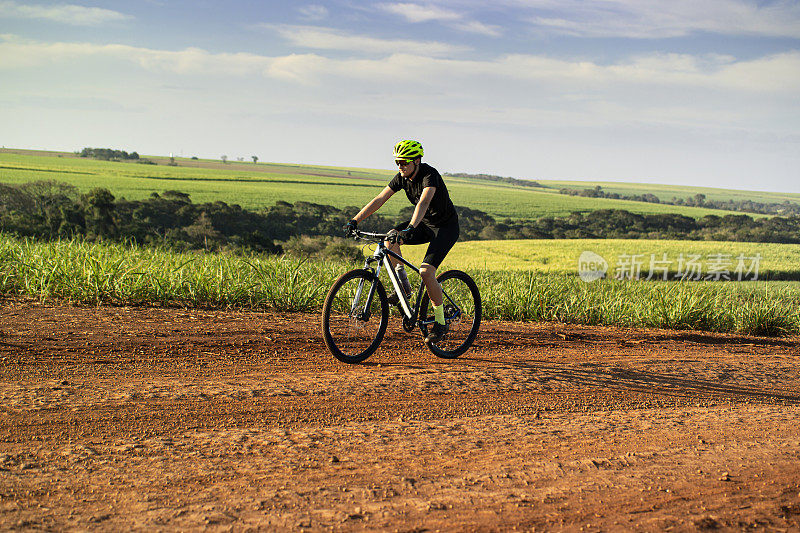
x: 254, y: 186
x: 777, y: 261
x: 116, y: 274
x: 758, y: 309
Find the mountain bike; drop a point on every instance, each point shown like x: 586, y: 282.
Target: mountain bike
x: 356, y: 311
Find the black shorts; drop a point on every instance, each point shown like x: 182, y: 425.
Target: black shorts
x: 441, y: 239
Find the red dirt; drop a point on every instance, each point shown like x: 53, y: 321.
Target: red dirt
x: 182, y: 419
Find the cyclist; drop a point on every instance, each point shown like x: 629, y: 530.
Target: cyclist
x: 434, y: 221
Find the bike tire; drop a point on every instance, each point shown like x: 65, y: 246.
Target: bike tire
x: 350, y: 336
x: 462, y: 332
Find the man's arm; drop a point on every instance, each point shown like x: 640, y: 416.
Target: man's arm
x: 375, y: 204
x: 422, y: 205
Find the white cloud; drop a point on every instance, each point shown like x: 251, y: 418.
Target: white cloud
x: 781, y: 72
x: 419, y: 13
x: 301, y: 68
x: 667, y: 73
x: 478, y: 27
x: 64, y: 13
x: 515, y: 91
x: 646, y: 19
x: 774, y: 74
x: 21, y: 53
x: 416, y: 13
x: 313, y: 12
x: 330, y: 39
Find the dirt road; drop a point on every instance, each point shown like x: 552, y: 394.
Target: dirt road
x: 172, y: 419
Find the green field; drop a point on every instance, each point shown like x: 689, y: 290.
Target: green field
x: 519, y: 280
x: 123, y: 275
x: 667, y: 192
x: 777, y: 261
x: 254, y: 186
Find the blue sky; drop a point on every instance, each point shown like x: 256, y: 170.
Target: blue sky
x: 679, y: 92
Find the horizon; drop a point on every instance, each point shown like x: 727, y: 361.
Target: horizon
x: 616, y: 91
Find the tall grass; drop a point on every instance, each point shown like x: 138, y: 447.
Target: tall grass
x: 89, y: 273
x: 752, y: 308
x: 117, y: 274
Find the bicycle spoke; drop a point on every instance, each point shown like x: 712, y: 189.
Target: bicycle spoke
x: 462, y: 312
x: 353, y: 329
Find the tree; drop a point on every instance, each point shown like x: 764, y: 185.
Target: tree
x: 224, y: 158
x: 45, y: 200
x: 203, y: 231
x: 99, y: 212
x: 255, y: 158
x: 177, y: 196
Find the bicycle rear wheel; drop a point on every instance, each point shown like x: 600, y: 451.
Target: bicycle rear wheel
x: 352, y: 327
x: 462, y: 312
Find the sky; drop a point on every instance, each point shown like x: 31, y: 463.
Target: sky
x: 649, y: 91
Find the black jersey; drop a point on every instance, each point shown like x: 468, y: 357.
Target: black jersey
x: 441, y: 208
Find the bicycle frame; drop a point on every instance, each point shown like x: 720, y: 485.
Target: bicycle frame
x: 381, y: 257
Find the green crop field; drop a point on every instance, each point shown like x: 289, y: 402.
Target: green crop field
x: 704, y: 258
x: 667, y: 192
x: 519, y: 280
x: 234, y: 183
x: 118, y: 274
x: 255, y: 186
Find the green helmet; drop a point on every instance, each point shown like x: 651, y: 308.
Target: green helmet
x: 407, y: 150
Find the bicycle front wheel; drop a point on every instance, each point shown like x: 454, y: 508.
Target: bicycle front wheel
x: 462, y: 312
x: 355, y: 316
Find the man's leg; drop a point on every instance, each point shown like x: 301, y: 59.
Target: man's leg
x: 439, y: 329
x: 393, y: 246
x: 443, y: 240
x: 428, y: 273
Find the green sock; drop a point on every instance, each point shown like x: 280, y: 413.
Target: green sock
x: 438, y: 313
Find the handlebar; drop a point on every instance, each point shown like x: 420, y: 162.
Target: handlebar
x: 369, y: 236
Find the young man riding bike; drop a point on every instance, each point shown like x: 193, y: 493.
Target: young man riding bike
x: 434, y: 221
